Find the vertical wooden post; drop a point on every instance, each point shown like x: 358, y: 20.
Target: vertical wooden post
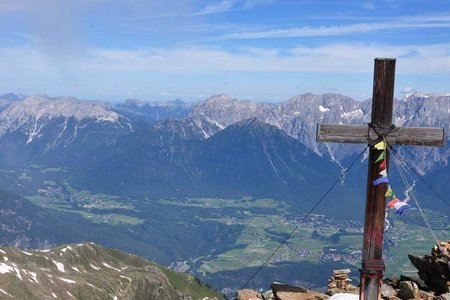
x: 382, y: 108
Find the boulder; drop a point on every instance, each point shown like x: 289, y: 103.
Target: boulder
x: 433, y: 271
x: 445, y: 296
x: 387, y: 291
x: 247, y: 294
x: 408, y: 290
x: 426, y: 295
x: 268, y: 295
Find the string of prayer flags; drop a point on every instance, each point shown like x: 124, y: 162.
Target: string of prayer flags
x: 395, y: 203
x: 380, y: 180
x: 382, y: 157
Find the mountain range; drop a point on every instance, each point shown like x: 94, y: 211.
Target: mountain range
x: 221, y: 146
x: 89, y: 271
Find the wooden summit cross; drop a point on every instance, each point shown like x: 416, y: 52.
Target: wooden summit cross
x: 380, y: 128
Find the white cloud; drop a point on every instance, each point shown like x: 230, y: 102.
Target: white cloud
x: 10, y: 6
x: 252, y: 3
x: 222, y: 6
x: 370, y: 5
x: 339, y: 58
x: 309, y: 31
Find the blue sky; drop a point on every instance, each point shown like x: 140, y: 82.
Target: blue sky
x: 264, y: 50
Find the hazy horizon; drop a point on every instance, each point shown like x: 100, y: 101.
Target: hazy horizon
x: 264, y: 50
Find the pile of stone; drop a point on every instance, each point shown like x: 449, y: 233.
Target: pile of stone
x: 434, y: 269
x: 340, y: 283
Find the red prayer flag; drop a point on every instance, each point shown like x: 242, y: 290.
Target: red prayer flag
x: 383, y: 165
x: 392, y: 203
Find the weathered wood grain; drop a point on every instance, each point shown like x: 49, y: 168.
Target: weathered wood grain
x: 357, y: 134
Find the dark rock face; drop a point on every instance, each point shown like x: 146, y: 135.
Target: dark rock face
x: 434, y: 269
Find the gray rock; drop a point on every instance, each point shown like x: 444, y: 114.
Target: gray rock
x: 268, y: 295
x: 387, y: 291
x: 408, y: 290
x: 445, y: 296
x: 433, y: 271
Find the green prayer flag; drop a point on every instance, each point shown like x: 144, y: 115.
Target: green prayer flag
x: 381, y: 157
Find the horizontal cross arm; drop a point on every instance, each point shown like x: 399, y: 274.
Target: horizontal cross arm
x: 357, y: 134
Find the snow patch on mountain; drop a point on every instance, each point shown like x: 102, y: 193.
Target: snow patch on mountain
x: 352, y: 114
x: 5, y: 292
x: 59, y: 265
x: 323, y: 109
x: 67, y: 280
x: 5, y: 268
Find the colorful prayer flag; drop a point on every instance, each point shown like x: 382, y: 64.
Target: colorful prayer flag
x: 392, y: 203
x: 383, y: 165
x: 381, y: 157
x: 399, y: 204
x: 380, y: 180
x: 389, y: 192
x: 402, y: 209
x: 380, y: 146
x: 383, y: 173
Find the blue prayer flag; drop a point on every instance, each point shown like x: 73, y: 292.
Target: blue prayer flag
x: 381, y: 180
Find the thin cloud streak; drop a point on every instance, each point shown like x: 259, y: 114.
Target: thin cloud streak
x: 332, y: 58
x: 308, y: 31
x: 223, y: 6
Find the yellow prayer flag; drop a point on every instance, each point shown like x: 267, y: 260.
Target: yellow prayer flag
x: 381, y: 145
x: 389, y: 192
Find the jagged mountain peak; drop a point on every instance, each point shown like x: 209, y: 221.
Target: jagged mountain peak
x: 50, y: 123
x: 219, y: 98
x: 324, y: 99
x: 222, y: 110
x: 11, y: 97
x: 38, y: 107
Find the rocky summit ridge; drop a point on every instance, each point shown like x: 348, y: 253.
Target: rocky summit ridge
x: 89, y: 271
x: 431, y: 283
